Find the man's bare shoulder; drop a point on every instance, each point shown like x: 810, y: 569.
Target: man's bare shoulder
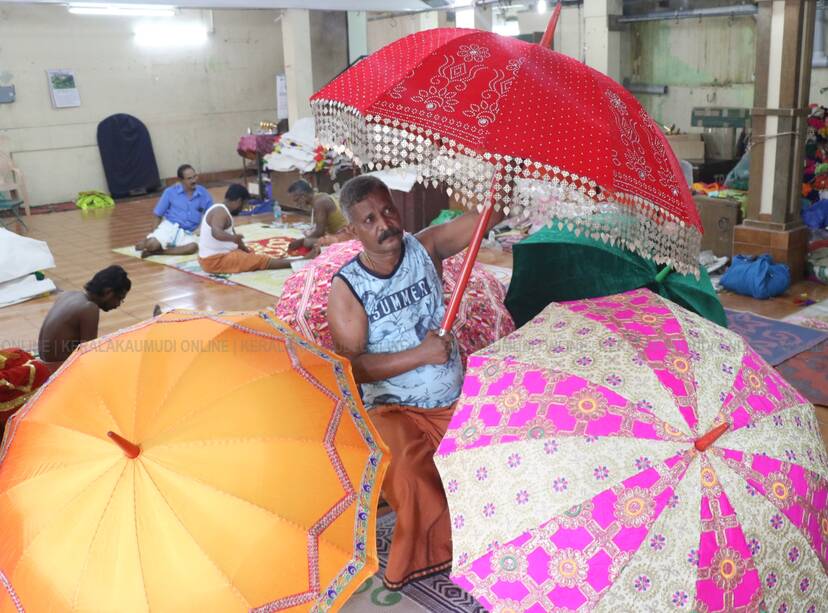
x: 74, y: 302
x: 341, y: 293
x: 343, y: 303
x: 217, y: 214
x: 73, y: 298
x: 67, y: 313
x: 347, y: 319
x: 426, y: 237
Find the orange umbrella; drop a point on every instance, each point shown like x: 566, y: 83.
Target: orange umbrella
x: 195, y: 462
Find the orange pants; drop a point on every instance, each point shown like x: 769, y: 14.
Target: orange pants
x: 421, y: 545
x: 233, y: 262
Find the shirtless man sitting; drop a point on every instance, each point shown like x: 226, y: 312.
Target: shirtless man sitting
x: 326, y: 217
x: 73, y: 319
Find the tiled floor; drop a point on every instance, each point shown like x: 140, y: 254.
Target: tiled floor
x: 82, y: 243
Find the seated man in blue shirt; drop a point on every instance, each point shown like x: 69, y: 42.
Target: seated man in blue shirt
x: 179, y: 213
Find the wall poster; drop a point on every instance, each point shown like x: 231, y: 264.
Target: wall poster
x: 63, y: 89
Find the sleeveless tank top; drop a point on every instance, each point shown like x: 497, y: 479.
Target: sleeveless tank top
x: 207, y: 244
x: 401, y: 309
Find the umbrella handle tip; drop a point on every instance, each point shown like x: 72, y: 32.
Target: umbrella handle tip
x: 706, y: 440
x: 131, y: 450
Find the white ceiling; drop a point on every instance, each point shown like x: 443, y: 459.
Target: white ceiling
x: 324, y: 5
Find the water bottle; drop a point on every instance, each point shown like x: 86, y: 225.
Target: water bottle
x: 277, y: 215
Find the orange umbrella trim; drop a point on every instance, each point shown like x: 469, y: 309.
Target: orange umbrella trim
x: 363, y: 501
x: 12, y: 594
x: 374, y: 469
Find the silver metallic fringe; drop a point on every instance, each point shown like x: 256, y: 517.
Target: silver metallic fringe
x: 542, y: 193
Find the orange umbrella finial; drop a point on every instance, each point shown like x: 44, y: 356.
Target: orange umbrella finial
x: 546, y: 41
x: 704, y: 441
x: 131, y: 450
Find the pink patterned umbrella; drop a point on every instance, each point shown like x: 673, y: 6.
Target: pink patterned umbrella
x: 624, y: 454
x: 482, y: 318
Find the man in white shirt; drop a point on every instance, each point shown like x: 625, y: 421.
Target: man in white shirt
x: 221, y: 250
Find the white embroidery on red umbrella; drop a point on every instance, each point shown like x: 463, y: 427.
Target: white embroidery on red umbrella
x: 451, y: 78
x: 399, y: 89
x: 473, y: 53
x: 665, y: 171
x: 487, y: 109
x: 629, y: 136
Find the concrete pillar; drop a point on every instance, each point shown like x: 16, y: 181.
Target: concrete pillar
x: 464, y: 17
x: 483, y: 18
x: 329, y: 45
x: 357, y: 35
x: 296, y: 41
x: 603, y: 46
x: 784, y: 46
x: 443, y: 20
x: 429, y: 20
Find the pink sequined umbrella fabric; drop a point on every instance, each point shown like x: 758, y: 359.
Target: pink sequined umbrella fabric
x: 576, y: 481
x: 482, y: 318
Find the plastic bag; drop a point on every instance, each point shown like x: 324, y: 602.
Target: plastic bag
x: 445, y: 216
x: 687, y: 170
x: 815, y: 215
x: 94, y: 200
x: 739, y: 177
x: 758, y: 276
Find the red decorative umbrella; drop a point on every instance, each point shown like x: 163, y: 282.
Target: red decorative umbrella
x: 482, y: 320
x: 518, y: 126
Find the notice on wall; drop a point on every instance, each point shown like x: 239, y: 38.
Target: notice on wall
x: 63, y: 89
x: 281, y: 97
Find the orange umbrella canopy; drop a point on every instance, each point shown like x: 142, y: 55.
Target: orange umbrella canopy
x: 253, y: 486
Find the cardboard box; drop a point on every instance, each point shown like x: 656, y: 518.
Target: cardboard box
x: 688, y: 147
x: 719, y: 217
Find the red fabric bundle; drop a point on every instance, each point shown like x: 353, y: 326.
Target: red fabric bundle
x: 20, y: 375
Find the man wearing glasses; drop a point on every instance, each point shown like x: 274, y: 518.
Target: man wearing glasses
x: 179, y: 213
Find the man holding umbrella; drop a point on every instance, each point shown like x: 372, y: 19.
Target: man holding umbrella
x: 384, y: 310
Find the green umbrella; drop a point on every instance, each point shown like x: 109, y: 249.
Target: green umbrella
x: 555, y: 265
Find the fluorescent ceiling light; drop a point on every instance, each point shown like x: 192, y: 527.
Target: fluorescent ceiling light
x: 541, y: 7
x: 170, y: 35
x: 121, y: 10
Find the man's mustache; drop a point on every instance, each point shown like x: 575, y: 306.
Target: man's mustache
x: 388, y: 234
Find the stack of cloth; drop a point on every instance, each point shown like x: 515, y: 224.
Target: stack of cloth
x: 508, y: 233
x: 815, y: 192
x: 815, y: 178
x: 21, y: 260
x: 817, y: 260
x: 297, y: 150
x: 716, y: 190
x: 706, y: 188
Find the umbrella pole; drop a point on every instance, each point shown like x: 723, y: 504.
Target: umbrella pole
x: 465, y: 273
x: 549, y: 34
x: 131, y: 450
